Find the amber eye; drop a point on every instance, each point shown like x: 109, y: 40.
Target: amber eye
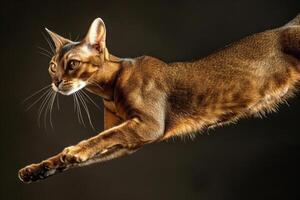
x: 52, y: 67
x: 73, y: 64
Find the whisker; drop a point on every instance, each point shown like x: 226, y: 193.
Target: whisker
x: 51, y: 108
x: 42, y: 106
x: 46, y: 92
x: 76, y: 39
x: 74, y: 102
x: 80, y: 112
x: 27, y: 98
x: 86, y: 109
x: 45, y: 51
x: 79, y: 109
x: 44, y: 54
x: 47, y: 108
x: 49, y: 43
x: 76, y: 109
x: 95, y: 84
x: 57, y: 102
x: 90, y: 99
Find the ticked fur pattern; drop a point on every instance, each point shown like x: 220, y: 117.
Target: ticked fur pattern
x: 147, y: 100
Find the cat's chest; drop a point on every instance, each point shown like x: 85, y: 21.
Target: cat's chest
x: 111, y: 106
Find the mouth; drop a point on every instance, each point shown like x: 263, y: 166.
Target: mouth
x: 69, y: 88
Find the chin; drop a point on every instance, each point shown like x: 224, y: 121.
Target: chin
x: 67, y: 92
x: 70, y: 90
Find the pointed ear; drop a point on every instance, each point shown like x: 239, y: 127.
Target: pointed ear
x: 97, y: 34
x: 58, y: 40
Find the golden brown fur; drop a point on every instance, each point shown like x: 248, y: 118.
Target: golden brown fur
x: 148, y: 100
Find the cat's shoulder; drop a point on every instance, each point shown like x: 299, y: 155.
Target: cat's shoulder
x: 140, y: 70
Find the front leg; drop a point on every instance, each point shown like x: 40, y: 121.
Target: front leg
x: 117, y: 141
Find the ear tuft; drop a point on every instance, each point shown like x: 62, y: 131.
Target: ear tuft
x: 96, y: 35
x: 58, y: 40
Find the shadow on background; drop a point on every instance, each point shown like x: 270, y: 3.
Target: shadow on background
x: 254, y: 159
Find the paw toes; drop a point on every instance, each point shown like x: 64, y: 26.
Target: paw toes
x: 24, y: 175
x: 35, y: 172
x: 72, y: 158
x: 70, y: 155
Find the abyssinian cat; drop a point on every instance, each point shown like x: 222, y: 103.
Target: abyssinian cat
x: 147, y: 100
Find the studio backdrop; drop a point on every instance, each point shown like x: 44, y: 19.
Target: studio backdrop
x: 252, y: 159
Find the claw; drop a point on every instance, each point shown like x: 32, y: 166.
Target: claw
x: 23, y: 176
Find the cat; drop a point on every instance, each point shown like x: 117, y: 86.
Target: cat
x: 147, y: 100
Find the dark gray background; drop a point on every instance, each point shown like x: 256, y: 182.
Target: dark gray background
x: 253, y: 159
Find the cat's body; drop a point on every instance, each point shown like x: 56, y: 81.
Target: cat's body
x: 213, y: 90
x: 148, y: 100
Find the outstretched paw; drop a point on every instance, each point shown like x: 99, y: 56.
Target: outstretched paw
x: 36, y: 172
x: 70, y: 157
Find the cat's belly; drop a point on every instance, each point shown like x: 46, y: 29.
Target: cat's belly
x: 210, y: 115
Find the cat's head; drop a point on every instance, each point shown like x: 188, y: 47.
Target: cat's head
x: 74, y: 63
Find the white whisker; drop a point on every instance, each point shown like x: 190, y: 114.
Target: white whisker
x: 57, y: 102
x: 76, y: 108
x: 43, y: 105
x: 45, y: 51
x: 46, y: 92
x: 27, y: 98
x: 81, y: 97
x: 47, y: 108
x: 74, y: 103
x: 95, y: 84
x: 76, y: 39
x: 90, y: 99
x: 44, y: 54
x: 79, y: 109
x: 51, y: 108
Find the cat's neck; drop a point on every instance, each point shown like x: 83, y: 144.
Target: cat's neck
x: 103, y: 81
